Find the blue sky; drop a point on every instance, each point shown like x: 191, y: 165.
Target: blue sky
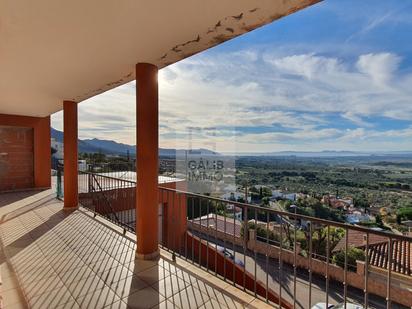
x: 336, y: 76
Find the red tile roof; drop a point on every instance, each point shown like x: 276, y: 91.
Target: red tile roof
x: 378, y: 251
x: 401, y: 256
x: 358, y: 239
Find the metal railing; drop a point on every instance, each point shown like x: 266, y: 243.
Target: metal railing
x: 113, y: 198
x: 126, y: 169
x: 289, y: 259
x: 287, y: 252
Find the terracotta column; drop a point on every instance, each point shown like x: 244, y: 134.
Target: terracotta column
x: 71, y: 196
x: 147, y: 143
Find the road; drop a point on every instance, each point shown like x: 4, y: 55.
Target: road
x: 335, y: 293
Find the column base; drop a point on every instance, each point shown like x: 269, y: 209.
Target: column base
x: 72, y: 208
x: 150, y: 256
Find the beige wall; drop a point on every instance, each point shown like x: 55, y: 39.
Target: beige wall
x: 401, y: 285
x: 401, y: 290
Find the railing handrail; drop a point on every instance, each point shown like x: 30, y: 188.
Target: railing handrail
x: 94, y: 186
x: 183, y: 238
x: 109, y: 177
x: 318, y: 259
x: 296, y: 216
x: 273, y: 211
x: 105, y: 197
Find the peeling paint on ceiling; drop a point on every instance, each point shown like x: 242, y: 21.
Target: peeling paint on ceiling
x: 73, y: 51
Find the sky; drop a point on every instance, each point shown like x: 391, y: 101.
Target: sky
x: 336, y: 76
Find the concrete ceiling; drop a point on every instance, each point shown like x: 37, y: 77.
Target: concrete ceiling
x: 55, y: 50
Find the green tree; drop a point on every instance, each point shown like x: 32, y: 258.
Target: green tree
x: 254, y: 189
x: 378, y: 219
x: 320, y: 238
x: 360, y: 201
x: 266, y: 192
x: 265, y: 201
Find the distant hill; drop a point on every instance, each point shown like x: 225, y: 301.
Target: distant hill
x: 111, y: 147
x: 115, y: 148
x: 326, y: 154
x: 82, y: 145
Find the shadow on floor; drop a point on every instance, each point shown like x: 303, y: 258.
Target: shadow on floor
x: 7, y: 198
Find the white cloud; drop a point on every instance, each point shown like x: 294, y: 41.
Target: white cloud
x: 110, y: 115
x: 380, y: 67
x: 356, y: 119
x: 221, y: 91
x: 298, y: 99
x: 307, y: 65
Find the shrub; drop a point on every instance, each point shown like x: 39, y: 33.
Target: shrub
x: 404, y: 214
x: 261, y: 233
x: 354, y: 254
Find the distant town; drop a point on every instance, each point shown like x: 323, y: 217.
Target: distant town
x: 372, y: 190
x: 358, y: 189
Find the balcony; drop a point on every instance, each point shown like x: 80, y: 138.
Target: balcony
x: 121, y: 243
x: 271, y: 261
x: 53, y: 258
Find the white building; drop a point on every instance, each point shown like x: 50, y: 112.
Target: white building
x: 357, y: 217
x: 234, y: 212
x: 276, y: 194
x: 235, y: 196
x: 82, y: 165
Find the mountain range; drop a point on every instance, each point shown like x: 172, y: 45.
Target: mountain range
x: 96, y: 145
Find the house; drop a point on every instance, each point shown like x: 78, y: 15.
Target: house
x: 235, y: 196
x: 337, y: 202
x: 220, y: 223
x: 378, y: 256
x: 53, y: 58
x: 234, y: 212
x: 277, y: 194
x: 271, y: 225
x: 357, y: 217
x: 83, y: 166
x: 112, y: 242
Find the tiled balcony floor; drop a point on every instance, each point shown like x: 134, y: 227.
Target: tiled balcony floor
x: 57, y: 259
